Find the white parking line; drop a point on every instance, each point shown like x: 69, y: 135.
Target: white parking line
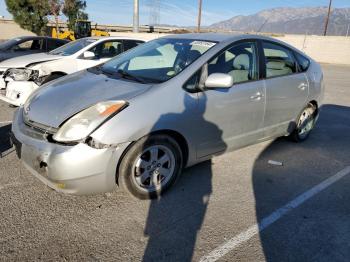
x: 276, y: 215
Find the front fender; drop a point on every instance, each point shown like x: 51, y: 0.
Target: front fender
x: 156, y: 110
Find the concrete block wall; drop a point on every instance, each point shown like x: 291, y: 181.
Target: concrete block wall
x: 329, y: 49
x: 9, y: 29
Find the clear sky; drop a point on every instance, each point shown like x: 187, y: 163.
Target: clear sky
x: 184, y: 12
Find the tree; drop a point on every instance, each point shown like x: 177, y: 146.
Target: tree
x: 73, y: 10
x: 30, y: 14
x: 55, y: 10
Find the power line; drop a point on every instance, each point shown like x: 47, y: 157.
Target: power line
x: 327, y: 18
x: 154, y: 12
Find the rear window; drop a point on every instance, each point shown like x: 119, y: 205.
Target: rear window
x: 279, y: 60
x: 303, y: 62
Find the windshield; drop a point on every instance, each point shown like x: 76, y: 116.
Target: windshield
x: 9, y: 43
x: 158, y: 60
x: 72, y: 47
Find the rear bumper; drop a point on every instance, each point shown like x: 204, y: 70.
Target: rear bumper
x: 78, y: 169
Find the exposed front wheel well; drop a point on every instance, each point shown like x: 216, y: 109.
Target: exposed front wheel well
x: 58, y: 73
x: 53, y: 76
x: 315, y: 104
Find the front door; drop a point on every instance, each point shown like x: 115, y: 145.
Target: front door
x: 236, y: 112
x: 103, y: 52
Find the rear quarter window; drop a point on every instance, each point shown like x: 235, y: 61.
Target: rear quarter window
x: 303, y: 62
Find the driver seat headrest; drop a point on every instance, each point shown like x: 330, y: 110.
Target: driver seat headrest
x: 241, y: 62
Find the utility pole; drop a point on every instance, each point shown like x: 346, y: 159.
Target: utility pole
x: 347, y: 31
x: 327, y: 18
x: 154, y: 12
x: 199, y: 16
x: 136, y: 17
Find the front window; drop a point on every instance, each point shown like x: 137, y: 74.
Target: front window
x: 107, y: 49
x: 159, y: 60
x: 239, y: 61
x: 33, y: 45
x: 72, y: 47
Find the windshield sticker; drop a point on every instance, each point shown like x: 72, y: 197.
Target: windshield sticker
x: 203, y: 43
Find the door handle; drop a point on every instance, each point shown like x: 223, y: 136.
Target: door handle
x: 302, y: 86
x: 256, y: 97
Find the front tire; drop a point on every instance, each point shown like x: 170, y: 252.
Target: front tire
x: 151, y: 166
x: 305, y: 124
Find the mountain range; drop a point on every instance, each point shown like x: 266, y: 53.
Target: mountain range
x: 307, y: 20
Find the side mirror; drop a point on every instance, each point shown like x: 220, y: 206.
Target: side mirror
x: 88, y: 55
x: 218, y: 80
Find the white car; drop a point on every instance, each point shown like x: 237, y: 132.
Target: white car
x: 20, y: 76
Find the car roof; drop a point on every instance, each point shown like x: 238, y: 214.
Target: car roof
x: 227, y: 38
x: 116, y: 37
x: 33, y: 37
x: 219, y: 37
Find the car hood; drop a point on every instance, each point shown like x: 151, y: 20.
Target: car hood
x: 23, y: 61
x: 53, y: 104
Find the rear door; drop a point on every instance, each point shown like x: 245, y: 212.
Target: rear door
x: 286, y: 88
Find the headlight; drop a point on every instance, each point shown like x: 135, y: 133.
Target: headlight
x: 21, y: 74
x: 84, y: 123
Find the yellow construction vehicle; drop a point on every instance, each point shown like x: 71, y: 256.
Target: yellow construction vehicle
x: 82, y: 29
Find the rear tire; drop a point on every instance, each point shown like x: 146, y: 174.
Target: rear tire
x: 305, y: 124
x: 150, y: 166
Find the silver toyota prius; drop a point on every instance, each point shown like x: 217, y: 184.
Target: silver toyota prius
x: 139, y: 119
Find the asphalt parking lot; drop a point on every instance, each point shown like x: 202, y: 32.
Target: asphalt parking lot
x: 236, y: 207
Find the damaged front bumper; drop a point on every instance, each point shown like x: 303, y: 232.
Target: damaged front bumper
x: 74, y: 169
x: 17, y: 92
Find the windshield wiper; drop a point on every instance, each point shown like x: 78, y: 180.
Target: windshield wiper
x: 127, y: 75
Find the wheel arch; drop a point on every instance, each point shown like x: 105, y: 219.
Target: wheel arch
x: 179, y: 138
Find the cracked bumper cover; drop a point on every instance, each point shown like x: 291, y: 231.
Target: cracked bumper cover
x: 78, y: 169
x: 17, y: 92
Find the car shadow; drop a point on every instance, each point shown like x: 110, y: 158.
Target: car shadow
x: 5, y: 142
x: 175, y: 219
x: 310, y: 232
